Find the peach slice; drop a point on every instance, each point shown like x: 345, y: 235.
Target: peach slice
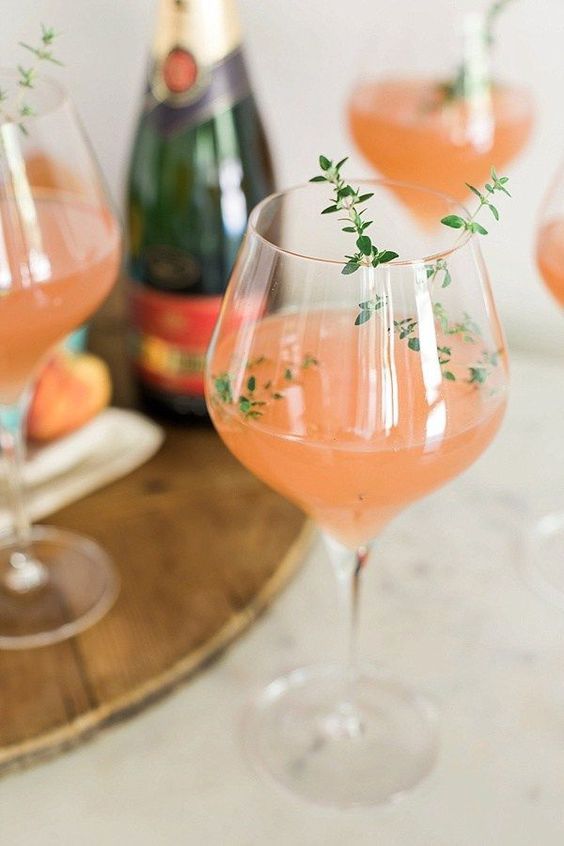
x: 70, y: 390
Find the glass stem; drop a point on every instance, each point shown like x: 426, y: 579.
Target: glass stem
x: 353, y: 601
x: 348, y: 567
x: 25, y: 573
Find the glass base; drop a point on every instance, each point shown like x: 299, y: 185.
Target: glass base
x: 69, y: 585
x: 543, y: 563
x: 358, y: 755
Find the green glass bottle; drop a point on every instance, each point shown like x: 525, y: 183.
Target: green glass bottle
x: 200, y: 163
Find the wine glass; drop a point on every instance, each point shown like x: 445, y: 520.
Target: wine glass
x: 60, y: 248
x: 544, y: 562
x: 353, y: 396
x: 426, y: 107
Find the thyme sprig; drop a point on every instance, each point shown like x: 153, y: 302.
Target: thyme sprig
x: 469, y: 224
x: 257, y: 394
x: 483, y: 369
x: 27, y: 77
x: 252, y: 402
x: 368, y: 308
x: 439, y: 266
x: 469, y: 332
x: 466, y: 330
x: 48, y: 36
x: 461, y: 85
x: 347, y: 199
x: 222, y: 385
x: 405, y: 328
x: 493, y: 13
x: 249, y: 406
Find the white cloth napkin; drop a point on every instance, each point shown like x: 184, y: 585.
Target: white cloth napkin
x: 110, y: 446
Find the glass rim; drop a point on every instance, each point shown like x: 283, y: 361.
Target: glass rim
x: 61, y: 92
x: 464, y: 238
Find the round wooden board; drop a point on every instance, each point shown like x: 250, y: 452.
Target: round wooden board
x: 202, y: 548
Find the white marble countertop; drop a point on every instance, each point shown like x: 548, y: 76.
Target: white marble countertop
x: 444, y: 608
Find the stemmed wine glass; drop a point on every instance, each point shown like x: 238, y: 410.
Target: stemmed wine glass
x: 60, y: 248
x: 353, y: 396
x: 427, y: 108
x: 544, y: 562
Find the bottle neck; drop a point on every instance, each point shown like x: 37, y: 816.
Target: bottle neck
x: 208, y: 29
x: 198, y: 68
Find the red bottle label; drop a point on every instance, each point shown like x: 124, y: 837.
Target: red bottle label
x: 183, y: 94
x: 180, y: 71
x: 172, y: 337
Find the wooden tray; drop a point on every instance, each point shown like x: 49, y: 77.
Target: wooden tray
x: 202, y: 547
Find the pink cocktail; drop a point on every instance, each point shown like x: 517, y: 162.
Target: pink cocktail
x: 60, y: 246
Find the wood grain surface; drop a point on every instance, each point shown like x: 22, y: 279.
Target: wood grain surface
x: 201, y: 546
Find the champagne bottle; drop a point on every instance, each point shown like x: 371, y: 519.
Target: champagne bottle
x: 200, y: 163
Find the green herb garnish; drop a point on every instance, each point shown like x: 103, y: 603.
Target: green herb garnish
x: 249, y: 406
x: 467, y: 328
x: 493, y: 13
x: 347, y: 199
x: 27, y: 78
x: 368, y: 308
x: 455, y: 221
x: 309, y: 361
x: 434, y: 269
x: 222, y: 385
x: 256, y: 362
x: 478, y: 375
x: 256, y: 396
x: 463, y: 83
